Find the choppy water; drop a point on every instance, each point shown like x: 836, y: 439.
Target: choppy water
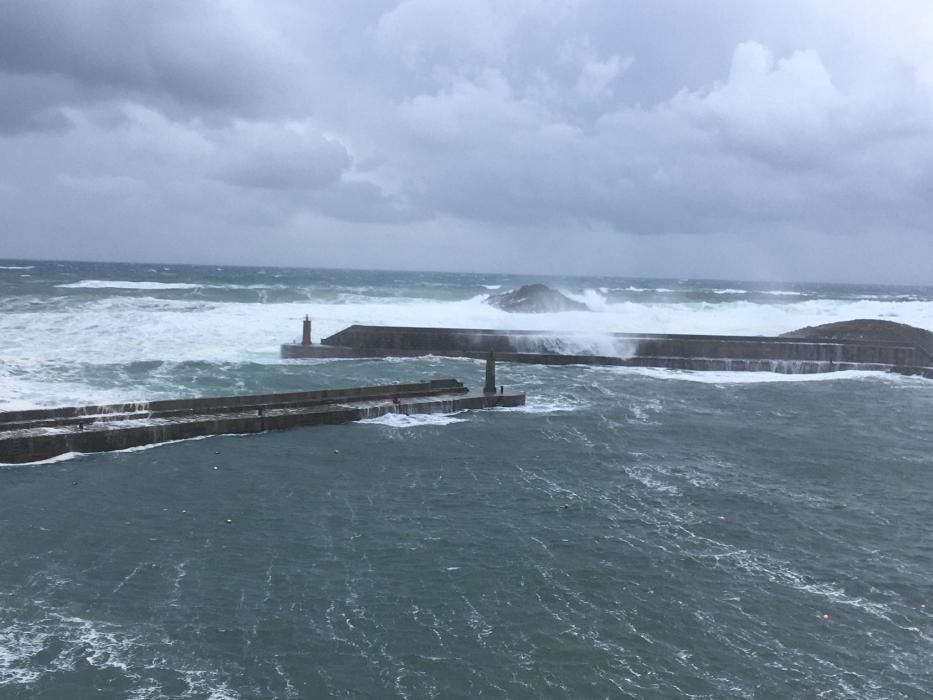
x: 629, y: 533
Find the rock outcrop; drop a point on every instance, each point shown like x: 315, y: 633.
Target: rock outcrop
x: 535, y: 298
x: 868, y: 329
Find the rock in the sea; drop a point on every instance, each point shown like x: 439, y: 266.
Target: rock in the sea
x: 535, y: 298
x: 869, y: 329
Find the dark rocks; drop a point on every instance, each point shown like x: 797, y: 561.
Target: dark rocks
x: 868, y: 329
x: 536, y: 299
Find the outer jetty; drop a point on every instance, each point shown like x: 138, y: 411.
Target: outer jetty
x: 35, y: 435
x: 784, y: 354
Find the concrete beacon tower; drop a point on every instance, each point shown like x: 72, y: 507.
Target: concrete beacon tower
x: 490, y: 386
x: 306, y: 331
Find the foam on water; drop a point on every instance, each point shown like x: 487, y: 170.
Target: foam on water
x: 120, y: 284
x: 723, y: 377
x: 401, y: 420
x: 65, y: 333
x: 78, y: 642
x: 540, y: 405
x: 51, y: 460
x: 157, y: 286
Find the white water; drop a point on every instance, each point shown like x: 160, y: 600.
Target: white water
x: 39, y: 347
x: 400, y: 420
x: 156, y: 286
x: 123, y: 329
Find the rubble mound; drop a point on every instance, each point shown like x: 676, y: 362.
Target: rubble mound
x: 535, y: 298
x: 868, y: 329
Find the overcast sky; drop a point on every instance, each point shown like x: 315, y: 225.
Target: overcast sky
x: 685, y: 138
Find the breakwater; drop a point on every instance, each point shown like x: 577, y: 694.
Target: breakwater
x: 789, y: 355
x: 34, y: 435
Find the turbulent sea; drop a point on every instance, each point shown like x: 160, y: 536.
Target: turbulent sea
x: 629, y: 533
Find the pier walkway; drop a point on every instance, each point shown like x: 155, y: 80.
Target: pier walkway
x: 35, y: 435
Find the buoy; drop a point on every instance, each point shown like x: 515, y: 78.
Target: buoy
x: 824, y: 617
x: 336, y: 452
x: 722, y: 517
x: 216, y: 468
x: 228, y: 521
x: 183, y: 510
x: 923, y: 605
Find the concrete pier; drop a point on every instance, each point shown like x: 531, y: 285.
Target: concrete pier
x: 35, y: 435
x: 693, y: 352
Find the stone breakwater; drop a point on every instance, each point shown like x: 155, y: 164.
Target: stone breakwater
x: 35, y: 435
x: 790, y: 355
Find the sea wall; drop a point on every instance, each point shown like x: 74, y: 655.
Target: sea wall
x: 30, y: 436
x: 696, y: 352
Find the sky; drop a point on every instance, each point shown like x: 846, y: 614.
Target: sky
x: 734, y: 139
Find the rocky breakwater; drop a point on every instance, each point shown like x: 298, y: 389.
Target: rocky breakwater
x: 535, y: 299
x: 869, y: 330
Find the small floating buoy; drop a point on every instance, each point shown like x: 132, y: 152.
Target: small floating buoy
x: 923, y: 606
x: 216, y: 468
x: 722, y: 517
x: 336, y: 452
x: 228, y: 521
x: 183, y: 510
x: 824, y: 617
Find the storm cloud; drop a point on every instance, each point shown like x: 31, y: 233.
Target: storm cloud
x: 727, y: 138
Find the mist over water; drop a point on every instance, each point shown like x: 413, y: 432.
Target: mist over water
x: 628, y: 533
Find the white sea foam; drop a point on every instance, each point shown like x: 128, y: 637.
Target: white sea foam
x: 51, y: 460
x: 594, y: 300
x: 493, y: 286
x: 17, y: 267
x: 400, y: 420
x: 122, y: 284
x: 37, y: 345
x: 730, y: 291
x: 83, y: 641
x: 157, y: 286
x: 716, y: 377
x: 658, y: 290
x: 538, y: 404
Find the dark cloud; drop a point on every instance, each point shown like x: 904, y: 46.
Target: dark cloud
x: 223, y: 56
x: 282, y: 159
x: 654, y: 131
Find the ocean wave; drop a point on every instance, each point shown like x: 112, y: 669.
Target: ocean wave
x: 121, y: 284
x: 156, y: 286
x: 658, y: 290
x: 401, y: 420
x: 544, y: 405
x: 70, y: 341
x: 17, y: 267
x: 72, y: 643
x: 730, y: 291
x: 724, y: 377
x: 594, y: 300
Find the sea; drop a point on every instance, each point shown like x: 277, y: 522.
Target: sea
x: 629, y: 533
